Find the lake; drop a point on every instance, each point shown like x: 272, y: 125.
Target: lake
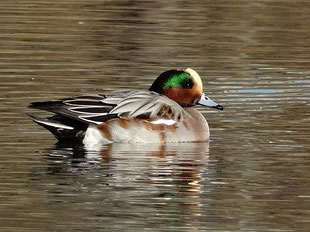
x: 253, y: 58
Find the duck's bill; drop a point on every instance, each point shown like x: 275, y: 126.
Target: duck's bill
x: 206, y: 101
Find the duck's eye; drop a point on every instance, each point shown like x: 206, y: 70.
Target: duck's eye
x: 188, y: 84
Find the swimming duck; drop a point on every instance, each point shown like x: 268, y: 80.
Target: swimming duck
x: 163, y: 114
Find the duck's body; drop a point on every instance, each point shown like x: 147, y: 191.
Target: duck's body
x: 163, y: 114
x: 193, y: 128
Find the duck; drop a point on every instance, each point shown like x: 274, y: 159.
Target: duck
x: 163, y: 114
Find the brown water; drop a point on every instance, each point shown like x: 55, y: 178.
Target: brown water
x: 253, y: 57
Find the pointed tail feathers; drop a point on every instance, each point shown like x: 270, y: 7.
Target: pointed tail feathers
x: 60, y: 130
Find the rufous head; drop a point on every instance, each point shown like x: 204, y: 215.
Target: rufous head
x: 184, y: 87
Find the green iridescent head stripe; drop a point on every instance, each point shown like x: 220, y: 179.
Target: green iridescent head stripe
x: 176, y: 80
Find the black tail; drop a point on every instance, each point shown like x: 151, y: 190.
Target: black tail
x: 72, y: 116
x: 62, y: 128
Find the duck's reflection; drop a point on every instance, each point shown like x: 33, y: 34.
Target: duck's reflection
x: 153, y: 174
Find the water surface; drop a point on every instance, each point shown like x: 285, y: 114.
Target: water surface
x: 253, y: 57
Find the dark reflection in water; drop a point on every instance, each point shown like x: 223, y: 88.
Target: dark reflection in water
x: 142, y: 185
x: 253, y: 57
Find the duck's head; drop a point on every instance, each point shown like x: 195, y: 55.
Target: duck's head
x: 184, y: 87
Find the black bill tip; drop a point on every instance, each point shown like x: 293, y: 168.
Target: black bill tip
x: 219, y: 107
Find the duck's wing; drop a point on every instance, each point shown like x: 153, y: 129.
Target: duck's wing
x: 99, y: 108
x: 148, y: 105
x: 75, y: 108
x: 72, y: 116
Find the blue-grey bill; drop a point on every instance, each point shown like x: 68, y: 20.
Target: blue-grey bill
x: 208, y: 102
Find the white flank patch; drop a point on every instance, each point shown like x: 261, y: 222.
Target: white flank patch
x: 164, y: 121
x: 93, y: 139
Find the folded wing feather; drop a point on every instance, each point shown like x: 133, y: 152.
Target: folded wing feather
x: 148, y: 105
